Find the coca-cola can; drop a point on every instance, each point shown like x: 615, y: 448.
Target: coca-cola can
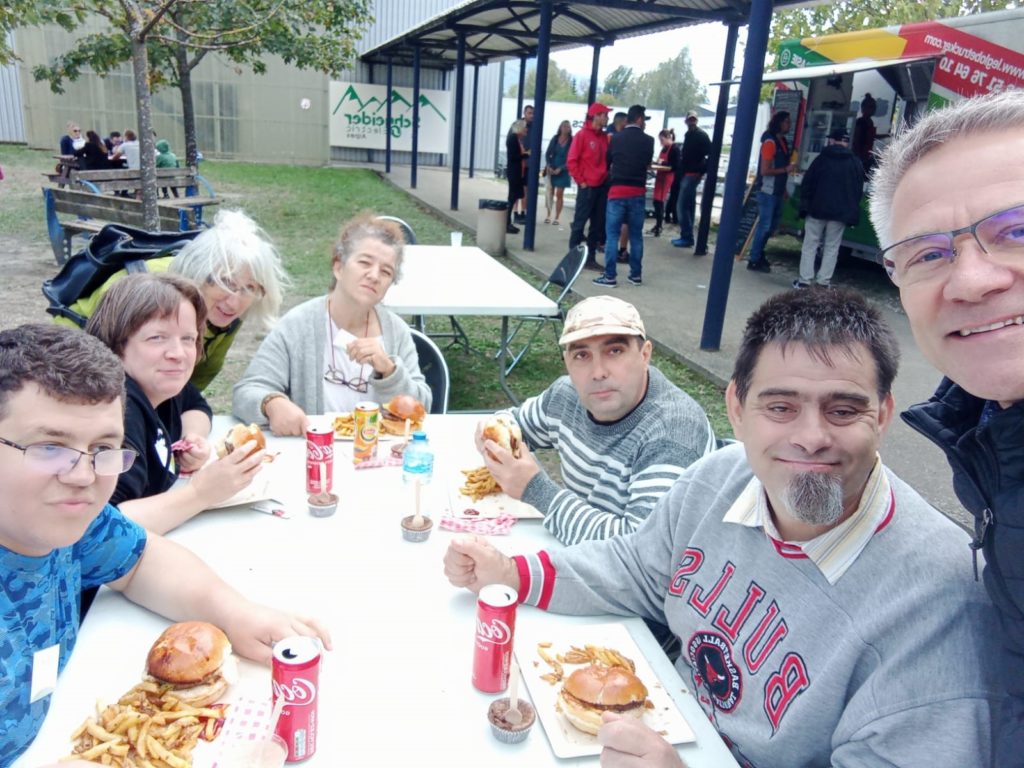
x: 295, y: 677
x: 495, y: 628
x: 319, y: 459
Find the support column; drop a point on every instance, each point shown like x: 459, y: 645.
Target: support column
x: 522, y: 85
x: 540, y: 95
x: 387, y: 135
x: 759, y: 22
x: 592, y: 92
x: 707, y: 200
x: 460, y: 83
x: 472, y: 122
x: 415, y: 115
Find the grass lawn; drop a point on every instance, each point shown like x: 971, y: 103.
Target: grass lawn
x: 302, y: 209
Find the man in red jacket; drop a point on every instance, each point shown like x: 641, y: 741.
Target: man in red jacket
x: 588, y: 166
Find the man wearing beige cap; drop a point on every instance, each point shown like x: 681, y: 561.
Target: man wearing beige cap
x: 623, y: 431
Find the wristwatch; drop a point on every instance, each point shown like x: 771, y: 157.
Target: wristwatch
x: 267, y: 399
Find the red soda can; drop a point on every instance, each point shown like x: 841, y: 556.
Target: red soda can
x: 295, y: 677
x: 319, y: 459
x: 495, y: 628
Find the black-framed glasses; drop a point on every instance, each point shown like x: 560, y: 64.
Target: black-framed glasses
x: 49, y: 459
x: 921, y: 258
x: 334, y: 376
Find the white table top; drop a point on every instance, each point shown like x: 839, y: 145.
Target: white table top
x: 441, y: 280
x: 396, y: 690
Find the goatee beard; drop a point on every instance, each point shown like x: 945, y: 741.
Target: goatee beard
x: 815, y: 498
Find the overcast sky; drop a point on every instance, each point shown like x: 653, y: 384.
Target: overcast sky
x: 706, y: 43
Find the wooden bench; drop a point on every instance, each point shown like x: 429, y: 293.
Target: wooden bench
x: 86, y: 200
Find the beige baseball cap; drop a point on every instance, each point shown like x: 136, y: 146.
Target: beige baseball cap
x: 601, y: 316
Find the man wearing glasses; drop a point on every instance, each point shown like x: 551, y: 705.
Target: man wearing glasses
x: 948, y: 206
x: 61, y: 431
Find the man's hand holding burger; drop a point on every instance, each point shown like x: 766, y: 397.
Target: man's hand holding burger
x: 473, y: 562
x: 628, y: 743
x: 500, y: 442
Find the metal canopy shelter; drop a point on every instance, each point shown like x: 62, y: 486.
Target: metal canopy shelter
x: 479, y: 32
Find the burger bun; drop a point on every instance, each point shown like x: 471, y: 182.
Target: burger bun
x: 239, y: 435
x: 591, y: 691
x: 194, y: 659
x: 503, y: 429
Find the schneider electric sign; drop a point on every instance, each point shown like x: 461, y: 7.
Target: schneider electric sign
x: 359, y: 117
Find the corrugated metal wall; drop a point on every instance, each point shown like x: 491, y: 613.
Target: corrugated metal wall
x: 241, y: 115
x: 12, y: 124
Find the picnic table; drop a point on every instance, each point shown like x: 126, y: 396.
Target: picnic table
x: 396, y: 690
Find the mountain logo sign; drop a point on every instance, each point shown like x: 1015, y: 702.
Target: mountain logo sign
x: 358, y: 117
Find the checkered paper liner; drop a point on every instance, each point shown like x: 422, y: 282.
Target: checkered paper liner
x: 491, y: 526
x: 248, y: 720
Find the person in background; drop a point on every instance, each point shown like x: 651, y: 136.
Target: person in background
x: 947, y: 202
x: 72, y: 140
x: 153, y: 323
x: 693, y: 164
x: 557, y: 157
x: 773, y: 168
x: 166, y: 159
x: 629, y: 156
x: 830, y: 196
x: 588, y: 166
x: 334, y: 351
x: 62, y: 398
x: 865, y: 133
x: 240, y: 275
x: 128, y: 150
x: 663, y: 179
x: 514, y: 155
x: 524, y: 144
x: 618, y: 123
x: 821, y: 604
x: 93, y: 154
x: 112, y: 140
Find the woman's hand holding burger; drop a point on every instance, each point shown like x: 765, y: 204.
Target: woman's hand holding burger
x: 628, y: 743
x: 371, y: 352
x: 473, y: 562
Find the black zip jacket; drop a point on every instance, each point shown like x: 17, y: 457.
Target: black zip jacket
x: 629, y: 154
x: 833, y: 186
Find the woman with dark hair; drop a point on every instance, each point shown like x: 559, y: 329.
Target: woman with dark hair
x: 93, y: 155
x: 557, y: 170
x: 663, y: 178
x: 154, y: 323
x: 334, y: 351
x: 773, y: 168
x: 514, y: 157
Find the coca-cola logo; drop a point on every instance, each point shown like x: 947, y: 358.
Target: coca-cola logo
x: 299, y: 693
x: 496, y: 632
x: 316, y: 452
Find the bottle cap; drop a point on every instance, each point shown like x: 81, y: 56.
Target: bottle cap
x: 419, y: 435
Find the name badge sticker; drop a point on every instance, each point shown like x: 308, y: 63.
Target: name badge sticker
x: 44, y: 672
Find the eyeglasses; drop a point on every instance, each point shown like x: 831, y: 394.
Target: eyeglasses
x: 253, y: 290
x: 48, y: 459
x: 334, y: 376
x: 921, y: 258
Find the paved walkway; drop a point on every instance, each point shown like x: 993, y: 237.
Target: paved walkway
x: 672, y: 302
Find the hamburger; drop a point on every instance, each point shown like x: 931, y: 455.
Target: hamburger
x: 399, y: 408
x: 503, y: 429
x: 239, y: 435
x: 193, y: 659
x: 595, y: 689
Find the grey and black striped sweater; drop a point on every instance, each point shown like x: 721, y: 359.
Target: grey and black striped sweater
x: 613, y: 473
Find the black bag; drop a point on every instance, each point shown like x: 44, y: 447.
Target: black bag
x: 113, y: 248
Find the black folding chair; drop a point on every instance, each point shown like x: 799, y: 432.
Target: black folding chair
x: 563, y: 277
x: 434, y: 369
x: 410, y: 236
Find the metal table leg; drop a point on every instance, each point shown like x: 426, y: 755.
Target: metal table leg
x: 502, y: 353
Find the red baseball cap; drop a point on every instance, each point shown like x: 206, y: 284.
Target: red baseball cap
x: 597, y: 108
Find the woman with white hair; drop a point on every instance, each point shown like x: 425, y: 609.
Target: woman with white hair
x: 241, y: 278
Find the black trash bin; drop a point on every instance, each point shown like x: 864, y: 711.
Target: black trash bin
x: 492, y: 219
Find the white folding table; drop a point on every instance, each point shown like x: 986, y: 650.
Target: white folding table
x: 442, y: 280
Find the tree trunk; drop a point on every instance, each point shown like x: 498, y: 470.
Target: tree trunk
x: 147, y: 146
x: 188, y: 109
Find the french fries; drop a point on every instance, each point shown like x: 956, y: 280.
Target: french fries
x: 345, y: 425
x: 588, y: 654
x: 479, y: 483
x: 147, y: 728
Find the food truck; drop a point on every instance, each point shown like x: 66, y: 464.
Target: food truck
x: 907, y: 69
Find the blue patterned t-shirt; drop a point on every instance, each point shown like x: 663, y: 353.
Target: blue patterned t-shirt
x: 39, y: 599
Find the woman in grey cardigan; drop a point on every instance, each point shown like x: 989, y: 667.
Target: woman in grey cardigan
x: 331, y: 352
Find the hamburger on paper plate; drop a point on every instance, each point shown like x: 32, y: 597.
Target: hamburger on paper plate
x: 399, y: 408
x: 238, y: 436
x: 595, y: 689
x: 503, y: 429
x: 194, y: 659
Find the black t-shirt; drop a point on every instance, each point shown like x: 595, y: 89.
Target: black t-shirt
x: 151, y: 432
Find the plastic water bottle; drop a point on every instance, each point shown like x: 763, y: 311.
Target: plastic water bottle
x: 418, y: 460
